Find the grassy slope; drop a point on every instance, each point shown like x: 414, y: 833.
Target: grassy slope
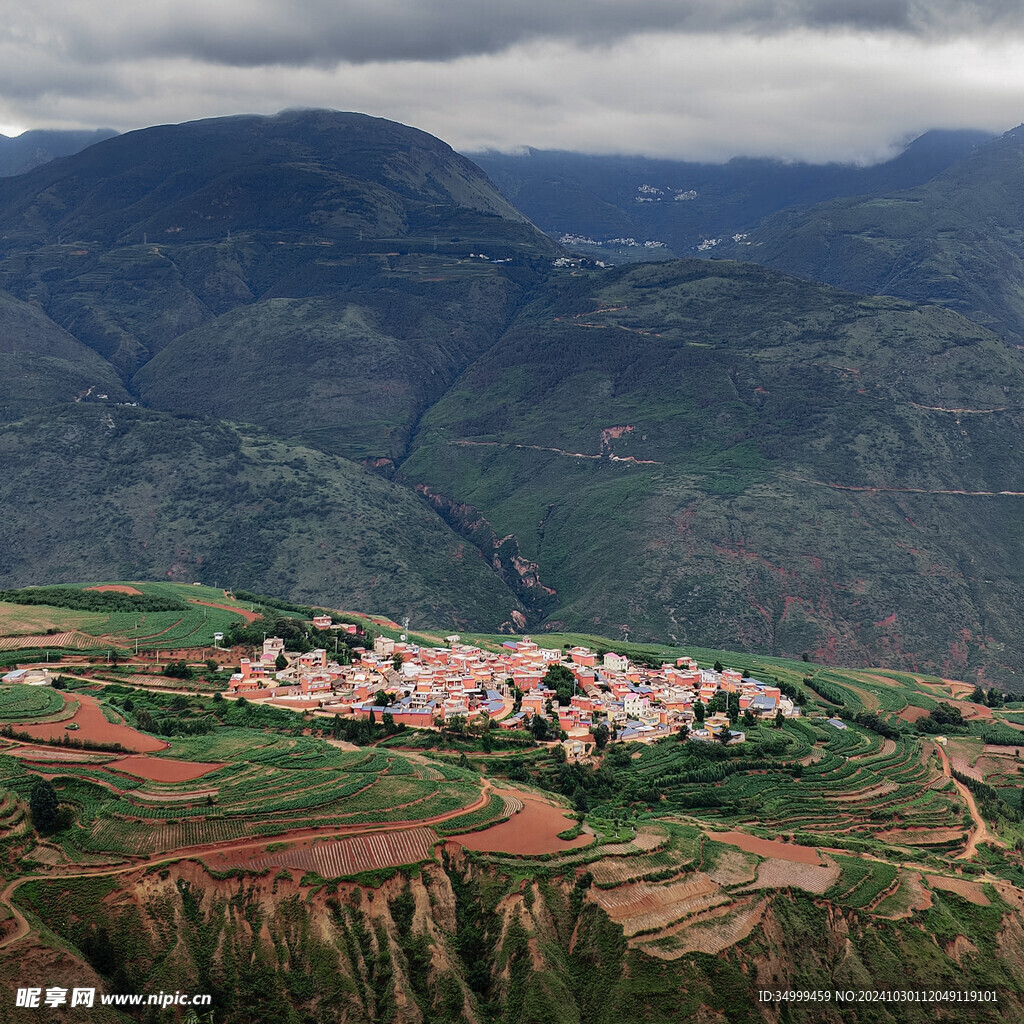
x: 145, y: 494
x: 343, y: 355
x: 754, y: 400
x: 42, y: 364
x: 955, y: 240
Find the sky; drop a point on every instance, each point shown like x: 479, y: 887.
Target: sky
x: 816, y: 80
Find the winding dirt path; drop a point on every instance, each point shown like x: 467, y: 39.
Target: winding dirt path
x: 981, y: 834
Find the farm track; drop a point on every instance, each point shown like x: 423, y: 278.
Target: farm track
x: 981, y: 833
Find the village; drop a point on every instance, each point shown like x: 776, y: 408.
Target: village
x: 574, y: 696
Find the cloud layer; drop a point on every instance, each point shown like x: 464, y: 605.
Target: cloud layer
x: 796, y: 79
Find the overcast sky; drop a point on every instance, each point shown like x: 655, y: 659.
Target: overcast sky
x: 694, y: 79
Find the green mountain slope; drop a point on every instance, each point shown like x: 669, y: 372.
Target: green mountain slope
x: 699, y: 450
x: 348, y: 369
x: 956, y: 240
x: 331, y: 173
x: 88, y: 492
x: 146, y: 236
x: 41, y: 364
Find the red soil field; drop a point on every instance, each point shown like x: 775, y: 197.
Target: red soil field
x: 247, y: 615
x: 912, y: 714
x: 159, y: 769
x: 94, y: 728
x: 971, y: 891
x: 350, y: 855
x: 115, y: 588
x: 56, y: 755
x: 768, y: 847
x: 533, y: 830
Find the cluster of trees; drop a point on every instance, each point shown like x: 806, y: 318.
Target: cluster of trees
x: 560, y: 679
x: 942, y: 718
x: 364, y: 731
x: 992, y: 698
x: 178, y: 670
x: 92, y: 600
x: 884, y: 727
x: 297, y: 634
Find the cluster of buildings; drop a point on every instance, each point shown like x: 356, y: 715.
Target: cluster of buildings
x: 428, y: 687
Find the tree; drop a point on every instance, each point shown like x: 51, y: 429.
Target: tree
x: 388, y: 721
x: 44, y: 806
x: 382, y: 698
x: 463, y: 760
x: 698, y: 711
x: 724, y: 736
x: 211, y: 665
x: 560, y: 679
x: 780, y: 719
x: 539, y: 727
x: 218, y: 697
x: 978, y: 695
x: 718, y: 666
x: 456, y: 724
x: 684, y: 733
x: 600, y: 734
x: 280, y: 662
x: 559, y: 754
x: 748, y: 719
x: 397, y: 661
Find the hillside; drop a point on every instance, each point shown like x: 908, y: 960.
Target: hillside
x: 237, y: 850
x: 89, y: 490
x: 40, y: 364
x: 330, y: 173
x: 345, y: 367
x: 148, y: 235
x: 955, y: 240
x: 684, y: 448
x: 552, y: 446
x: 683, y: 204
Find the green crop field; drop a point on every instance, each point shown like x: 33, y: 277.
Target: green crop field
x: 190, y: 625
x: 20, y: 703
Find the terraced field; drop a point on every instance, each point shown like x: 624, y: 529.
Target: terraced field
x: 345, y: 857
x: 20, y: 704
x: 274, y: 792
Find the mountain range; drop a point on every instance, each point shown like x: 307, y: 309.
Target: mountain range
x: 322, y: 355
x: 611, y: 200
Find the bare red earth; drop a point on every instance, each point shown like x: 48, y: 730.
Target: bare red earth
x: 159, y: 769
x: 533, y: 830
x: 768, y: 847
x: 912, y: 714
x: 94, y: 728
x: 116, y: 588
x: 247, y: 615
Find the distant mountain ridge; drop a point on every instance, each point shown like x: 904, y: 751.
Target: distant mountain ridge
x: 955, y: 240
x: 31, y: 149
x: 685, y: 204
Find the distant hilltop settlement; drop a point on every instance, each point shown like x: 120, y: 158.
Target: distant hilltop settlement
x: 574, y: 696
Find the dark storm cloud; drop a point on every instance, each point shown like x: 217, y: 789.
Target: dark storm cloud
x: 249, y: 33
